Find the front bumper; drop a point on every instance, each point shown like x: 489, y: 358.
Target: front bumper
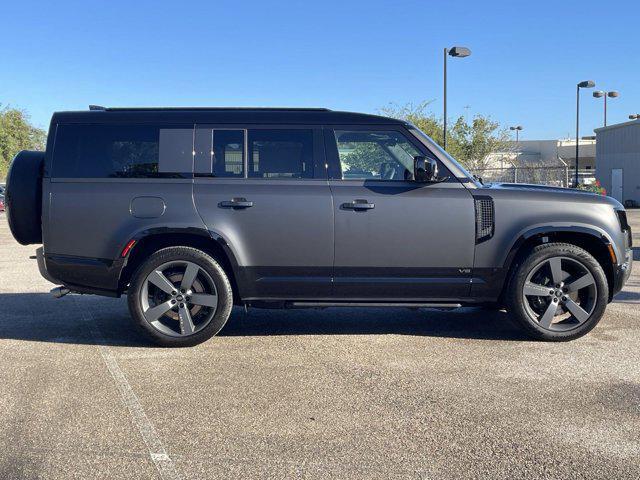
x: 622, y: 272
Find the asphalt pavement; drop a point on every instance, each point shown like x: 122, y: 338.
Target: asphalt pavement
x: 338, y: 393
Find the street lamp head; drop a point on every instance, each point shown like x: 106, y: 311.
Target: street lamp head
x: 517, y: 127
x: 598, y: 94
x: 613, y: 94
x: 635, y: 116
x: 459, y: 52
x: 587, y: 84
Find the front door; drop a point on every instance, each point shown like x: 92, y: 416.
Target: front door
x: 256, y: 187
x: 395, y: 239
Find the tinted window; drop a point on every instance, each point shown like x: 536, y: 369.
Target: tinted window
x: 281, y: 153
x: 219, y: 152
x: 122, y: 151
x: 375, y: 155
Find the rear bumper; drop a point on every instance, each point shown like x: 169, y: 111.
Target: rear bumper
x: 42, y: 266
x: 80, y: 274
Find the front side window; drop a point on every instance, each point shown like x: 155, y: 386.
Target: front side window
x: 375, y: 155
x: 122, y: 151
x: 281, y: 153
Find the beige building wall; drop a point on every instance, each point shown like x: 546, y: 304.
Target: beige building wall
x: 545, y: 153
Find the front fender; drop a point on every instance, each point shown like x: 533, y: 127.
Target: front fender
x: 549, y: 229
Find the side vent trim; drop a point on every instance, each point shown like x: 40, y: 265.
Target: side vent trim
x: 485, y: 218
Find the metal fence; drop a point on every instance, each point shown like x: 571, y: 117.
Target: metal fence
x: 558, y: 176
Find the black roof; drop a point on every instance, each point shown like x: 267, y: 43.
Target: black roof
x: 186, y: 115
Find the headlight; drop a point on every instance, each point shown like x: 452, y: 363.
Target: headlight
x: 624, y: 224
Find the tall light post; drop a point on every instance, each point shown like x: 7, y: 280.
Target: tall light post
x: 585, y: 84
x: 460, y: 52
x: 518, y: 129
x: 601, y: 94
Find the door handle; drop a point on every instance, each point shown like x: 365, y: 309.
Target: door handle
x: 358, y: 205
x: 236, y: 203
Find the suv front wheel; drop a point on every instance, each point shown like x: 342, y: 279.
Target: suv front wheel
x: 558, y: 292
x: 180, y: 297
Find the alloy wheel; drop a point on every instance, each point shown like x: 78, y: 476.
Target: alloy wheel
x: 178, y: 298
x: 560, y: 293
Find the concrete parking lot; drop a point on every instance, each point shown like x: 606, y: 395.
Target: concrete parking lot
x: 340, y: 393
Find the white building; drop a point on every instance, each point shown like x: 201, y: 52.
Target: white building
x: 542, y: 161
x: 547, y: 153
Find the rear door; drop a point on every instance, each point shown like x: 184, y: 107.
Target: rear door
x: 395, y: 239
x: 265, y: 191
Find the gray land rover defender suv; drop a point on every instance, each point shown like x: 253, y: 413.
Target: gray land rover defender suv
x: 190, y: 211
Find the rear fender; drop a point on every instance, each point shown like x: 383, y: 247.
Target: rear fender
x: 207, y: 236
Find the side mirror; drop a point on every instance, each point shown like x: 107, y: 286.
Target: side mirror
x: 424, y: 169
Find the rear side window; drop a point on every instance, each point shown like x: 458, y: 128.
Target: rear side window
x: 281, y: 153
x: 122, y: 151
x: 219, y: 152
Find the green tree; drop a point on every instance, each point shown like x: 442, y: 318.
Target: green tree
x: 17, y: 133
x: 419, y: 115
x: 468, y: 142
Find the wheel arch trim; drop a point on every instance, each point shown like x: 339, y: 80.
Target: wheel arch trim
x: 205, y: 234
x: 550, y: 229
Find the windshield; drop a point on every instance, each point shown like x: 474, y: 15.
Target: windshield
x: 457, y: 169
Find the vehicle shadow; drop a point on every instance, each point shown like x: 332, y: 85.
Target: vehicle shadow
x: 464, y: 323
x: 72, y: 319
x: 40, y: 318
x: 627, y: 297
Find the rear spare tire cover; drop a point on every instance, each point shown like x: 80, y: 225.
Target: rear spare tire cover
x: 23, y: 197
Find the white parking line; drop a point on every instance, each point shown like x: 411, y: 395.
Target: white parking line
x: 165, y: 466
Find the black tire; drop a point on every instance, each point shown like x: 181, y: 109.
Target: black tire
x: 23, y: 199
x: 521, y: 312
x: 213, y: 271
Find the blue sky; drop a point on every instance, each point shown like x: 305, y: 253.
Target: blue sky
x: 347, y: 55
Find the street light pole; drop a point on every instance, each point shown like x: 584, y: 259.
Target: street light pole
x: 577, y: 130
x: 444, y: 122
x: 585, y: 84
x: 611, y: 94
x: 517, y: 129
x: 454, y: 52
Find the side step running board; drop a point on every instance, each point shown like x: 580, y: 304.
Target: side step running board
x: 371, y: 304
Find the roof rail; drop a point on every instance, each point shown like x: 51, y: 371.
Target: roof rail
x: 143, y: 109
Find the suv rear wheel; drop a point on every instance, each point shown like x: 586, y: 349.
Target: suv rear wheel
x: 180, y: 297
x: 559, y: 292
